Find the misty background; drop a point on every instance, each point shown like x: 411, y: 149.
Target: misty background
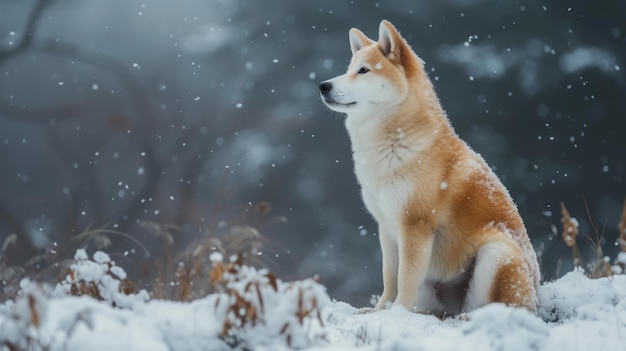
x: 127, y: 115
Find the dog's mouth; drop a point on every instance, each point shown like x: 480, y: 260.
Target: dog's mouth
x: 332, y: 102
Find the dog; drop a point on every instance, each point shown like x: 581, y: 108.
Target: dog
x: 451, y: 237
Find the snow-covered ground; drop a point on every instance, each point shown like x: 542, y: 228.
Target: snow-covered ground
x: 256, y: 311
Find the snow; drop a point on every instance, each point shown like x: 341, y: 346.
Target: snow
x: 575, y: 312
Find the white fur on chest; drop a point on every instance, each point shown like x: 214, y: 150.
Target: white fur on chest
x: 379, y: 164
x: 386, y: 202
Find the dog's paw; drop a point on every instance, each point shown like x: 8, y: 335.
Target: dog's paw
x: 366, y: 310
x: 463, y: 317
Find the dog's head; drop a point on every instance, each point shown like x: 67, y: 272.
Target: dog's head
x: 378, y: 76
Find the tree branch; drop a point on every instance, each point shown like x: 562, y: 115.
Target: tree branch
x: 29, y: 31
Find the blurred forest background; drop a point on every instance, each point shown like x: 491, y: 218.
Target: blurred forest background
x: 141, y: 122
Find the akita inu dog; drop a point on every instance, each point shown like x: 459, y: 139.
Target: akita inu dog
x: 451, y: 237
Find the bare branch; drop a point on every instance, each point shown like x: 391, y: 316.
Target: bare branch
x: 11, y: 222
x: 28, y: 32
x: 95, y: 58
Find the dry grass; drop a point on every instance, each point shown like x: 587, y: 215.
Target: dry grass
x: 172, y: 271
x: 246, y: 298
x: 570, y: 232
x: 52, y: 265
x: 621, y: 227
x: 602, y: 266
x: 10, y: 276
x: 186, y: 276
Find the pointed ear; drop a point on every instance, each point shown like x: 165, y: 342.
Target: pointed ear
x: 358, y: 40
x: 389, y: 39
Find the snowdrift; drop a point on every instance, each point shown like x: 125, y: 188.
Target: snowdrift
x: 256, y: 311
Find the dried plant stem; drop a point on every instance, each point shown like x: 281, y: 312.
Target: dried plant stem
x: 621, y: 227
x: 570, y: 232
x: 96, y: 232
x: 576, y: 256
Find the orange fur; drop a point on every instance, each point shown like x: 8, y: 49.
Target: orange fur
x: 451, y: 236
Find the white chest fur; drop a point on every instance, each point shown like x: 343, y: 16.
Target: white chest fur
x: 380, y: 160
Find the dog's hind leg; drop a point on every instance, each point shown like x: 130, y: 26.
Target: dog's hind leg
x: 500, y: 275
x: 513, y: 285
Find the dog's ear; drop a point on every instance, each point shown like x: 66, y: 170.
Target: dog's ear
x: 389, y: 40
x: 358, y: 40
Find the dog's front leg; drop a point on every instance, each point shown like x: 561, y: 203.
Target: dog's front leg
x: 389, y: 249
x: 415, y: 251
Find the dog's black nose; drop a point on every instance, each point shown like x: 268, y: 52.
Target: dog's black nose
x: 325, y: 87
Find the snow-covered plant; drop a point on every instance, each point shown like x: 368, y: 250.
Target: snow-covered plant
x: 101, y: 279
x: 257, y: 308
x: 619, y: 265
x: 21, y: 320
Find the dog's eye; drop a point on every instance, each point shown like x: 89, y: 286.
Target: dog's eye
x: 363, y: 70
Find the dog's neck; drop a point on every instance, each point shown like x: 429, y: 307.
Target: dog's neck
x: 381, y: 145
x: 391, y: 130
